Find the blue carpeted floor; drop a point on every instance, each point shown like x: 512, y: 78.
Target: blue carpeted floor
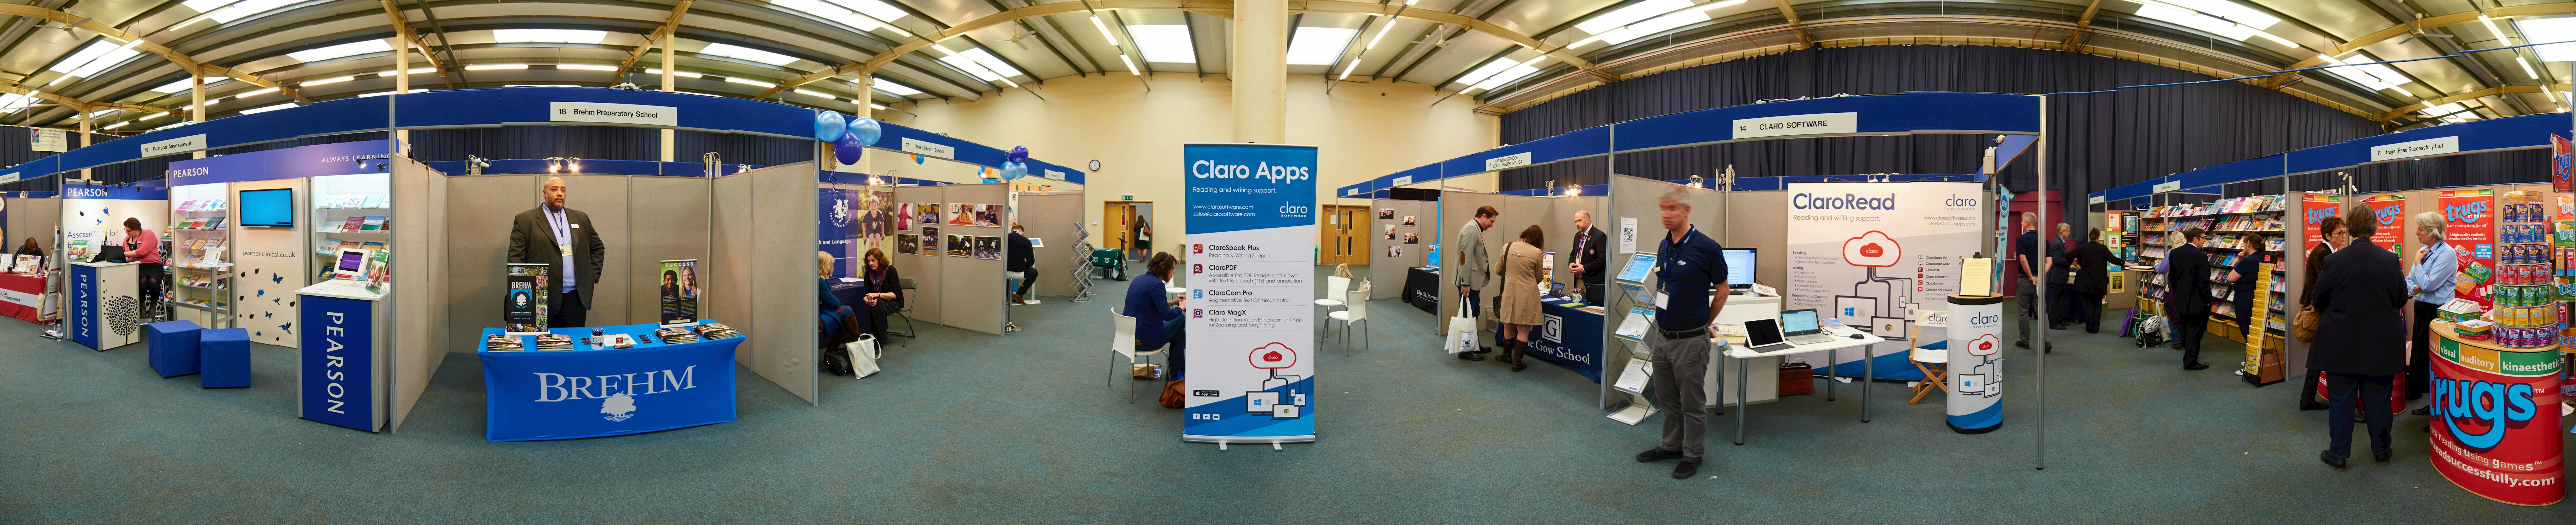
x: 973, y: 428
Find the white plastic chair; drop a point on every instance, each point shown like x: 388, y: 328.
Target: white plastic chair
x: 1122, y: 342
x: 1336, y: 295
x: 1357, y: 313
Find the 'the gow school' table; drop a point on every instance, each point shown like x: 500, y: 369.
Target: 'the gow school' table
x: 1571, y: 338
x: 539, y: 395
x: 2496, y: 420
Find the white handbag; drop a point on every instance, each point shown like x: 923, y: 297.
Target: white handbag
x: 1462, y: 334
x: 863, y: 356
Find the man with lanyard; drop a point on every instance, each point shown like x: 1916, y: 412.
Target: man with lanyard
x: 1679, y: 346
x: 553, y: 234
x: 1590, y: 248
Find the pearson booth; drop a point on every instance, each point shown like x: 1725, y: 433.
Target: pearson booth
x: 1876, y: 277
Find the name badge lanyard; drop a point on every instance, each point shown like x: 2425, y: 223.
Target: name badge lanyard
x: 1664, y: 269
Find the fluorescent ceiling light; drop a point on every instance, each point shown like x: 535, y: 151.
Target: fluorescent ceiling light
x: 567, y: 36
x: 829, y: 11
x: 700, y: 94
x: 1104, y: 30
x: 681, y: 74
x: 873, y: 8
x: 265, y: 109
x: 1381, y: 34
x: 739, y: 80
x: 2374, y: 76
x: 173, y: 125
x: 1630, y: 14
x: 1164, y: 43
x: 1488, y: 71
x: 116, y: 125
x: 744, y: 53
x: 1346, y: 71
x: 90, y: 59
x: 2561, y: 29
x: 94, y: 115
x: 1131, y: 65
x: 2445, y: 110
x: 587, y: 67
x: 898, y: 89
x: 375, y: 94
x: 182, y: 85
x: 1319, y: 46
x: 321, y: 81
x: 155, y: 116
x: 816, y: 94
x: 2526, y: 67
x: 491, y: 67
x: 2219, y: 17
x: 343, y: 50
x: 982, y: 64
x: 1642, y: 28
x: 248, y: 94
x: 873, y: 105
x: 226, y: 11
x: 415, y: 71
x: 1508, y: 75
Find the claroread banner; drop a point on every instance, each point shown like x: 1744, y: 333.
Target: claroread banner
x: 1249, y: 271
x: 1869, y: 254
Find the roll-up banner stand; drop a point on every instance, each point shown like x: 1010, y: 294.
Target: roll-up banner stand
x: 1250, y: 269
x: 1870, y: 254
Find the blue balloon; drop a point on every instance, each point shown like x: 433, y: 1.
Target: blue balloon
x: 867, y: 130
x: 829, y: 126
x: 847, y: 149
x: 1014, y: 170
x: 1019, y: 154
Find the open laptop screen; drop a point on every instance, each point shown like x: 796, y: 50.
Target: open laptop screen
x: 1799, y: 322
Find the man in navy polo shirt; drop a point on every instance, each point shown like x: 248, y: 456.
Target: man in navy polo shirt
x: 1680, y: 344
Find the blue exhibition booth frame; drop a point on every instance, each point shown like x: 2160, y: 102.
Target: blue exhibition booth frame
x: 2478, y: 136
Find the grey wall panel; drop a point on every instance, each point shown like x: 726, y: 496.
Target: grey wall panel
x: 781, y: 284
x: 728, y: 269
x: 922, y: 268
x: 1385, y: 266
x: 606, y: 198
x: 478, y: 213
x: 670, y: 222
x: 971, y: 290
x: 34, y: 218
x: 415, y: 349
x: 1759, y: 220
x: 1054, y: 219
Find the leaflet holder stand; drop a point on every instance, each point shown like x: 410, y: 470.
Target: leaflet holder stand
x: 1632, y: 293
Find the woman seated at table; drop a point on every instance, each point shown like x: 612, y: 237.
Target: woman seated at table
x: 1158, y: 320
x: 837, y: 322
x: 882, y: 289
x: 30, y: 248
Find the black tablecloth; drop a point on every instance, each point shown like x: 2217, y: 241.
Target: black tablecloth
x: 1422, y: 289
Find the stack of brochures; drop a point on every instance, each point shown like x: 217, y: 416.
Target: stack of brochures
x: 714, y: 331
x: 673, y: 336
x: 554, y: 343
x: 503, y: 343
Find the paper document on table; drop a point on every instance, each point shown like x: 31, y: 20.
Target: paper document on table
x: 1633, y: 379
x: 1976, y: 277
x: 1733, y: 332
x: 1635, y: 325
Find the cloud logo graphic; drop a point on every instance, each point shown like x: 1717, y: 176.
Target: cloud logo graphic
x: 1273, y: 356
x: 1985, y: 345
x: 1871, y: 249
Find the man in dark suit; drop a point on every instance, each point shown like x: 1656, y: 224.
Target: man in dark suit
x: 1590, y: 250
x: 1024, y: 259
x: 2361, y: 336
x: 2187, y: 296
x: 565, y: 238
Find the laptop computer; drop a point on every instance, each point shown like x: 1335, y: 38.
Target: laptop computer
x: 1801, y: 327
x: 112, y: 252
x: 1763, y: 335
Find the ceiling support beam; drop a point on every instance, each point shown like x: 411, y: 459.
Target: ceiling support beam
x: 1800, y: 28
x: 2385, y: 34
x: 83, y: 107
x: 402, y: 28
x: 2083, y: 24
x: 2405, y: 110
x: 174, y: 56
x: 659, y: 34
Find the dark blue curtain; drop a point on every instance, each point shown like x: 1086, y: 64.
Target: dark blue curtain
x: 2095, y: 141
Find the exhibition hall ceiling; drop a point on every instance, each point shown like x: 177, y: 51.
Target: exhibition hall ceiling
x: 127, y: 60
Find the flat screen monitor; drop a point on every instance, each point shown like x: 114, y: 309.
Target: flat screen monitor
x: 1739, y: 267
x: 266, y: 208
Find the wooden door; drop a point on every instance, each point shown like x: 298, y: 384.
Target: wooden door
x: 1339, y: 238
x: 1118, y: 220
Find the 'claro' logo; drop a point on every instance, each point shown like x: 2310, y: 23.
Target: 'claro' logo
x: 2495, y: 406
x: 2466, y: 212
x: 1206, y: 169
x: 1981, y: 319
x: 1809, y: 201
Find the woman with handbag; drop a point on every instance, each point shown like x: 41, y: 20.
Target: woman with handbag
x: 2304, y: 325
x: 882, y: 289
x: 2092, y: 279
x: 1519, y: 313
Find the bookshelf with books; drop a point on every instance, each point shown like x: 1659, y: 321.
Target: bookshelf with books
x: 197, y: 255
x: 349, y: 211
x: 2226, y: 222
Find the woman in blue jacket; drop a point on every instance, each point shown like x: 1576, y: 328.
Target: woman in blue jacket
x: 1158, y: 320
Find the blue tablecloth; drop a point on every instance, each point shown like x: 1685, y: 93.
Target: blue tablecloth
x: 1571, y: 338
x: 534, y: 395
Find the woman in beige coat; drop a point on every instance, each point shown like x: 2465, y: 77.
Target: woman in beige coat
x: 1519, y: 314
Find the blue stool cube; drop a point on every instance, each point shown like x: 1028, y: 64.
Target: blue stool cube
x: 172, y: 347
x: 225, y: 353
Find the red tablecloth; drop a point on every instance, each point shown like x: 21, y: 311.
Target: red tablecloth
x: 21, y: 296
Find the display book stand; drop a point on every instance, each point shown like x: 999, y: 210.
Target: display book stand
x: 2226, y: 221
x: 1082, y: 267
x: 199, y: 276
x: 1633, y: 292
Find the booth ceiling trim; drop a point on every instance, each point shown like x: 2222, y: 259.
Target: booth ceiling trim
x: 1501, y: 54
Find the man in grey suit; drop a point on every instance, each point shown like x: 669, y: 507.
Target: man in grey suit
x: 565, y: 238
x: 1475, y: 268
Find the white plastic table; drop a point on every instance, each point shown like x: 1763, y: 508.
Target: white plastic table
x: 1833, y: 351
